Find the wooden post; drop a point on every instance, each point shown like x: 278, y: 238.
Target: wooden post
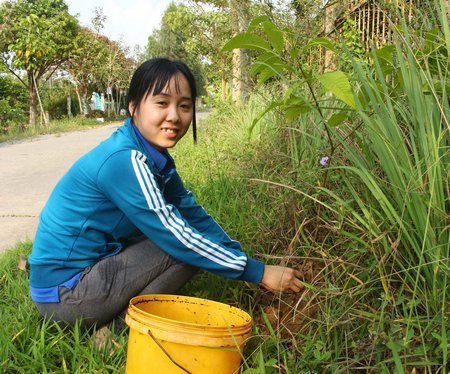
x: 364, y: 25
x: 330, y: 17
x: 384, y: 31
x: 378, y: 42
x: 360, y: 27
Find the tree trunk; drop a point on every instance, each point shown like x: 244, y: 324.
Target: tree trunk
x: 224, y: 87
x: 330, y: 17
x: 239, y: 22
x: 223, y: 76
x: 83, y: 92
x: 33, y: 100
x: 79, y: 99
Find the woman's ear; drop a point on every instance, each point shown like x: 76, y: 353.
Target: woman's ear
x: 131, y: 108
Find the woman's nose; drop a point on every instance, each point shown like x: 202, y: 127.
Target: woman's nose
x: 173, y: 115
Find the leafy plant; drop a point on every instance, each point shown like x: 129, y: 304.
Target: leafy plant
x: 37, y: 37
x: 385, y: 177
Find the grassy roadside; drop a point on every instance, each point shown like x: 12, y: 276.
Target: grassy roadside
x: 55, y: 126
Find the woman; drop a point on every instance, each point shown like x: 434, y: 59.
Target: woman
x: 120, y: 222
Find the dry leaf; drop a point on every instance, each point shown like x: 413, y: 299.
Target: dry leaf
x: 23, y: 260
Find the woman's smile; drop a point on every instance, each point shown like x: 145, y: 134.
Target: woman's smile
x: 170, y: 132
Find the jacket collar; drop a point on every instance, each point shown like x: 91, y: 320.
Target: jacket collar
x: 162, y: 160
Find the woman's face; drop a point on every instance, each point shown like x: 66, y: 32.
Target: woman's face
x: 165, y: 118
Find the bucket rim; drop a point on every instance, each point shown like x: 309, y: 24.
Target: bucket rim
x: 168, y: 323
x: 185, y: 332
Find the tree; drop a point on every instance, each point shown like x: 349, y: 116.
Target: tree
x: 237, y: 20
x: 196, y: 36
x: 13, y: 98
x: 86, y: 65
x: 175, y: 39
x: 36, y: 36
x: 97, y: 64
x: 118, y: 72
x: 98, y: 21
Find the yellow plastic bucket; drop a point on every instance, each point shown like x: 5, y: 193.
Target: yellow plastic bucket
x: 180, y: 334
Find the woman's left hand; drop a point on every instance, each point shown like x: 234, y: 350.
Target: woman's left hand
x: 281, y: 279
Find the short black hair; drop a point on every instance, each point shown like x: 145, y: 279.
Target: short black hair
x: 153, y: 76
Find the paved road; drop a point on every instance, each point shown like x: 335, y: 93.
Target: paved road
x: 29, y: 169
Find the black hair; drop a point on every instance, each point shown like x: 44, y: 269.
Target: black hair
x: 153, y: 76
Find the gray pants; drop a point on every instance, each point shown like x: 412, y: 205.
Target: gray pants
x: 105, y: 289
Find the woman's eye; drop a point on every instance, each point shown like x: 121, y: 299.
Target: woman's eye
x: 161, y: 103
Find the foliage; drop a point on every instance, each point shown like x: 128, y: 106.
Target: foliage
x: 37, y: 36
x: 350, y: 47
x: 12, y: 103
x: 385, y: 180
x: 55, y: 101
x: 98, y: 63
x: 41, y: 32
x: 177, y: 39
x: 196, y: 33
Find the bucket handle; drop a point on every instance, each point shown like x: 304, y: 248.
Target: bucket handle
x: 166, y: 353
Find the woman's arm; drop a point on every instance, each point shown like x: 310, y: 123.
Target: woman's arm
x: 275, y: 279
x: 127, y: 181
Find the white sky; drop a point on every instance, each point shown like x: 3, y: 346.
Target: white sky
x: 129, y: 20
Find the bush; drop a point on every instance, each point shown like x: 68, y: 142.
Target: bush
x: 54, y: 100
x: 13, y: 104
x: 10, y: 117
x: 57, y: 107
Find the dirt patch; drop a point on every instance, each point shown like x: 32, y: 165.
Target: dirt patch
x: 289, y: 313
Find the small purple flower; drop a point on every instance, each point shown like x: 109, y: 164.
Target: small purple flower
x: 324, y: 161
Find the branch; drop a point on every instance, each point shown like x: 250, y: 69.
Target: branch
x: 49, y: 76
x: 14, y: 73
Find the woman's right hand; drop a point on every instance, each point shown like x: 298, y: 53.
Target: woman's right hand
x: 281, y: 279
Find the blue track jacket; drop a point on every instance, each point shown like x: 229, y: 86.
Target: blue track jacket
x: 115, y: 192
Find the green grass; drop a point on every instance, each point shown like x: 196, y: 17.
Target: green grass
x: 55, y: 126
x: 30, y: 344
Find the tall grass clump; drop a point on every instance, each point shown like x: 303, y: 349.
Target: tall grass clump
x: 403, y: 161
x: 399, y: 205
x: 377, y: 217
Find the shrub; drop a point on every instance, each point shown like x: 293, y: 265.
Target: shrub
x: 13, y: 104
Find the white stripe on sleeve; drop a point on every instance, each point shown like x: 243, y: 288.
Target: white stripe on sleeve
x: 177, y: 226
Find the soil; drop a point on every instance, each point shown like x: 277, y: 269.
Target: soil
x: 290, y: 313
